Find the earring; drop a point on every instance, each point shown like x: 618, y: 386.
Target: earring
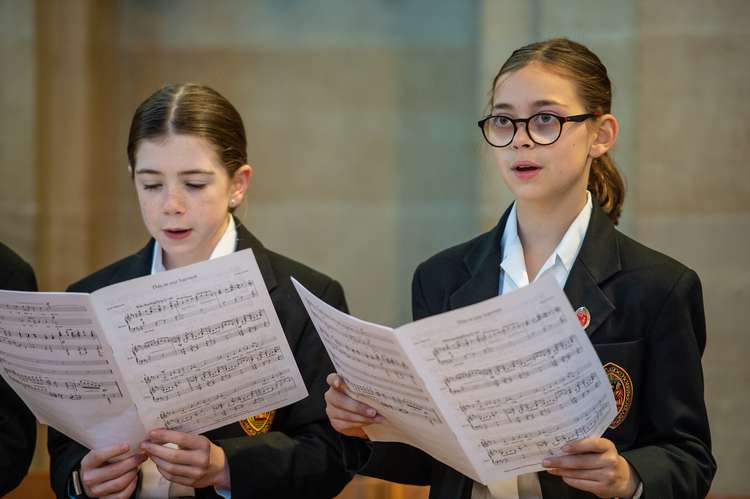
x: 231, y: 203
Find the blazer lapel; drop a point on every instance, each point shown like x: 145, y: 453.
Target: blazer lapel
x: 138, y: 266
x: 483, y: 263
x: 246, y: 240
x: 598, y: 259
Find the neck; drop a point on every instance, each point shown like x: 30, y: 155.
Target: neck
x: 541, y: 227
x: 175, y: 261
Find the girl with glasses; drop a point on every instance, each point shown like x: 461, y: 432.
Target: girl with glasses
x: 188, y: 161
x: 551, y: 130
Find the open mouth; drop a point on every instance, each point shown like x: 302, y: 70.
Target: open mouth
x: 525, y: 169
x: 177, y: 233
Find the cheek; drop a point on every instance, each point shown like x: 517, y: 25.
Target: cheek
x: 149, y: 207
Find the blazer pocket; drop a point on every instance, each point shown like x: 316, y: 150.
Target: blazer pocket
x: 623, y: 363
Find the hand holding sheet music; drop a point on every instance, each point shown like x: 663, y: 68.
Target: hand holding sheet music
x: 191, y: 349
x: 506, y: 382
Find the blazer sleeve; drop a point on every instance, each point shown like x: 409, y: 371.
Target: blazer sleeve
x: 17, y: 438
x: 673, y: 454
x: 17, y: 423
x: 301, y: 456
x: 65, y: 455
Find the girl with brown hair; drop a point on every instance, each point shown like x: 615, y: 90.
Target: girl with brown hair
x: 188, y: 160
x: 551, y: 129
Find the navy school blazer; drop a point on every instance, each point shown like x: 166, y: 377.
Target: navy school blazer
x: 648, y: 328
x: 301, y: 455
x: 17, y: 424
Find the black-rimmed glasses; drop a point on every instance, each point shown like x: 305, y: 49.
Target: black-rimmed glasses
x: 543, y: 128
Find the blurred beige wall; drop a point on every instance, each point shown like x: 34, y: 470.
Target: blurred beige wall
x: 361, y: 128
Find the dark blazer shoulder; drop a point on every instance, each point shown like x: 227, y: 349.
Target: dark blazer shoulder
x: 454, y: 264
x: 15, y: 272
x: 285, y: 267
x: 657, y: 274
x: 135, y: 265
x: 639, y: 257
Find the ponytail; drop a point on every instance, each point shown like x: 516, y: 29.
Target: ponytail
x: 607, y: 187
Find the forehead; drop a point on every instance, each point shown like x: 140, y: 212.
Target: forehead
x: 533, y: 83
x: 177, y: 152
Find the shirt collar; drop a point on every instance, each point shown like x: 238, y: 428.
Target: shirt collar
x: 513, y: 262
x: 224, y: 247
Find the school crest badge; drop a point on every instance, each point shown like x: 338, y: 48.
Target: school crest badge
x: 622, y: 388
x: 259, y: 423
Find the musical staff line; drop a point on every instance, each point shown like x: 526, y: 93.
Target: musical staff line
x: 193, y: 340
x: 173, y: 309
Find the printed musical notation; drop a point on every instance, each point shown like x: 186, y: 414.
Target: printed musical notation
x: 502, y: 383
x: 547, y: 440
x: 192, y: 348
x: 531, y: 404
x: 73, y: 390
x: 146, y: 317
x: 517, y: 369
x: 249, y: 397
x: 175, y: 383
x: 163, y: 347
x: 494, y: 340
x: 371, y: 363
x: 70, y: 341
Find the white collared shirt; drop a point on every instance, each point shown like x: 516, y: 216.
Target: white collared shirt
x: 513, y: 276
x: 153, y: 484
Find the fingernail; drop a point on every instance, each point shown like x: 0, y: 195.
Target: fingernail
x: 547, y: 463
x: 566, y: 448
x: 371, y: 412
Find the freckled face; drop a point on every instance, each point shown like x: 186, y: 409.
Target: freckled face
x: 535, y: 173
x: 184, y: 192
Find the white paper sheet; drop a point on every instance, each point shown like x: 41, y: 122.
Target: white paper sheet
x: 513, y: 378
x: 378, y: 373
x: 52, y: 353
x: 516, y: 375
x: 190, y: 349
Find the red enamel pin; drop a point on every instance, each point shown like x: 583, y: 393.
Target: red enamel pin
x: 584, y: 317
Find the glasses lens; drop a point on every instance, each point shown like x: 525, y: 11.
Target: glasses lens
x: 498, y: 130
x: 544, y: 128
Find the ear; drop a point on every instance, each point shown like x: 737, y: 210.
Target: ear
x: 130, y: 171
x: 606, y: 135
x: 239, y: 183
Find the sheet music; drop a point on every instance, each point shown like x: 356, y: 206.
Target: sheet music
x: 378, y: 373
x: 200, y: 346
x: 52, y: 354
x: 516, y: 375
x: 489, y: 389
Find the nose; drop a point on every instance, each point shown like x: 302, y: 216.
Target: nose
x: 174, y: 202
x: 522, y: 138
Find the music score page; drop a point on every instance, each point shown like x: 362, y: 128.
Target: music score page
x: 511, y: 379
x: 190, y: 349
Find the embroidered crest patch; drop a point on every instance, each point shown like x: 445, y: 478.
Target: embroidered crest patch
x: 259, y: 423
x: 622, y: 388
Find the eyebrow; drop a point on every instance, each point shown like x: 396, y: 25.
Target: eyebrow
x: 539, y: 103
x: 148, y: 171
